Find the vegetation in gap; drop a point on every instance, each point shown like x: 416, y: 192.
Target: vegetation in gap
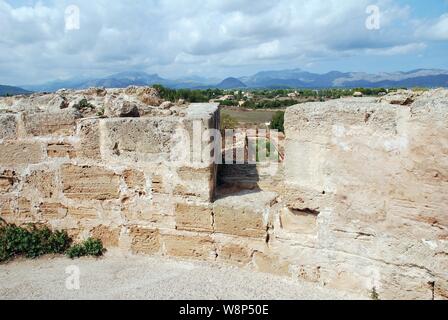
x: 278, y: 121
x: 33, y: 241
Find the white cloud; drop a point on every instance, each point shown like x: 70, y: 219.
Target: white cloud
x: 178, y: 36
x: 437, y: 30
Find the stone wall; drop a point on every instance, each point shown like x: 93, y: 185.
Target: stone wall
x: 100, y: 163
x: 368, y: 199
x: 360, y: 203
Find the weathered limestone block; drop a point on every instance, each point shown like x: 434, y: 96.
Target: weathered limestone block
x: 8, y: 127
x: 194, y: 246
x: 441, y: 289
x: 148, y: 96
x: 25, y: 210
x: 145, y: 240
x: 192, y: 217
x: 164, y: 204
x: 52, y: 211
x: 45, y: 102
x: 7, y: 209
x: 299, y: 221
x: 116, y: 107
x: 197, y: 182
x: 144, y: 211
x: 400, y: 283
x: 43, y: 182
x: 7, y: 180
x: 235, y: 254
x: 135, y: 179
x: 61, y: 150
x: 270, y: 263
x: 20, y: 153
x: 401, y: 97
x: 51, y: 123
x: 89, y: 146
x: 246, y: 214
x: 89, y: 183
x: 80, y: 213
x: 138, y: 139
x: 109, y: 236
x: 157, y: 184
x: 201, y: 145
x: 328, y: 144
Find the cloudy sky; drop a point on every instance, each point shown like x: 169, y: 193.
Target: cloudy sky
x: 40, y: 41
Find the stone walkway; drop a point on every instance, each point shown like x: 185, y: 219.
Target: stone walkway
x: 133, y: 277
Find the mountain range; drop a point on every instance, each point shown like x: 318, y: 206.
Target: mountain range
x: 294, y: 78
x: 9, y: 90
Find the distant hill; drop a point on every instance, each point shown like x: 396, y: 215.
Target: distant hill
x: 119, y: 80
x: 8, y: 90
x: 231, y: 83
x: 297, y: 78
x: 294, y: 78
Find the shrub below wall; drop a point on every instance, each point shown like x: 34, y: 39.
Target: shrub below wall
x: 35, y: 241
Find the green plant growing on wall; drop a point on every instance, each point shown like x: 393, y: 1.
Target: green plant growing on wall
x: 30, y: 241
x: 34, y: 241
x: 90, y: 247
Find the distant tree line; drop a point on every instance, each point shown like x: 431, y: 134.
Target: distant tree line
x: 187, y: 94
x: 269, y: 104
x: 262, y: 98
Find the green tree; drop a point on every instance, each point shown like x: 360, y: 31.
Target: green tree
x: 278, y: 121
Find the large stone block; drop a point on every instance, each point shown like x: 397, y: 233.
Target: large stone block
x: 198, y: 247
x: 7, y: 180
x: 7, y: 209
x: 156, y: 211
x: 43, y: 182
x: 20, y: 153
x: 246, y: 214
x: 89, y: 183
x: 135, y: 180
x: 138, y: 139
x: 61, y: 150
x: 328, y: 144
x: 109, y: 236
x: 8, y: 127
x: 80, y: 213
x: 299, y: 221
x: 193, y: 217
x: 235, y: 254
x: 51, y: 123
x: 201, y: 125
x: 145, y: 240
x: 270, y: 263
x: 196, y: 182
x: 25, y: 210
x: 89, y: 145
x: 52, y: 211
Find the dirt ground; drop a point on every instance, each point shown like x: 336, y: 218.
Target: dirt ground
x: 250, y: 116
x: 131, y: 277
